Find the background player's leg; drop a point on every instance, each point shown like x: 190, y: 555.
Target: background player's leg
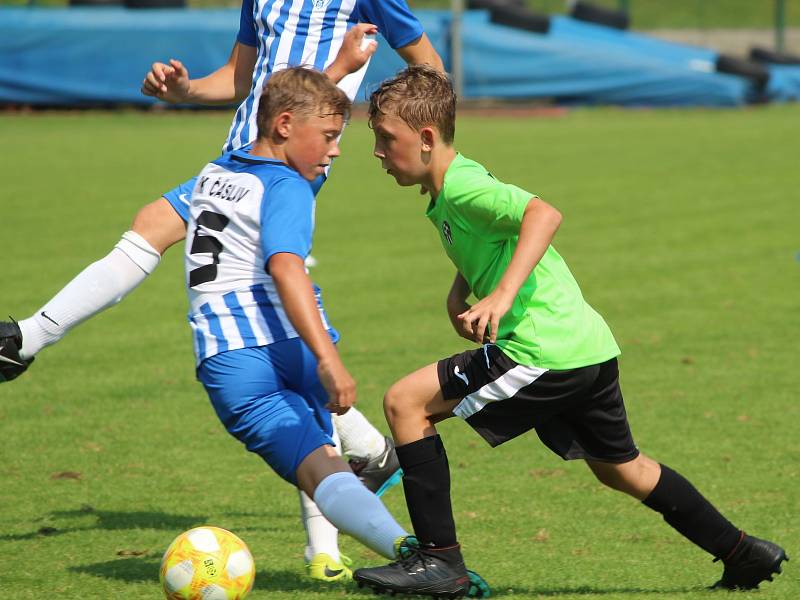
x: 359, y: 437
x: 105, y: 282
x: 372, y: 455
x: 322, y: 558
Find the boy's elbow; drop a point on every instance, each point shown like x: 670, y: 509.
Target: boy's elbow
x: 556, y: 217
x: 545, y: 211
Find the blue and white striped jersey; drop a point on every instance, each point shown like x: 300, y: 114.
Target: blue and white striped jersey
x: 290, y: 33
x: 244, y: 209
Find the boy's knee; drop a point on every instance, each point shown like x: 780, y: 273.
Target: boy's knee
x: 396, y: 403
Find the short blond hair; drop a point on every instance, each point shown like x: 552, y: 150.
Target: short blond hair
x: 420, y: 96
x: 300, y: 91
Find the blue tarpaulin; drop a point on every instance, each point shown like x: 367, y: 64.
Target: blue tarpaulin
x: 92, y: 55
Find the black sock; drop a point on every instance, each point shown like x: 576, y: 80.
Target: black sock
x: 694, y: 517
x: 426, y: 483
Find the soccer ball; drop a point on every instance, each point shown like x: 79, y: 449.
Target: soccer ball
x: 207, y: 563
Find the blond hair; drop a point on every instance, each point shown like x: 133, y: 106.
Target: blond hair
x: 302, y: 92
x: 420, y: 96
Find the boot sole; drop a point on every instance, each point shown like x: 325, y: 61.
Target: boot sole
x: 379, y: 589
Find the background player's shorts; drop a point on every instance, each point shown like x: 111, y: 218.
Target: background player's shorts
x: 271, y: 400
x: 577, y: 413
x: 180, y: 197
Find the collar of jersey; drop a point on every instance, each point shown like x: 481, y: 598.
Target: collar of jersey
x: 243, y: 155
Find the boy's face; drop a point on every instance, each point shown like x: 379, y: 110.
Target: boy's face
x: 401, y: 150
x: 312, y: 143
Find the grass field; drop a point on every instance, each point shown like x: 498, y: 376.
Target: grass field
x: 682, y: 227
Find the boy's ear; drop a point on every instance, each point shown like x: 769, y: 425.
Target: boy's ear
x: 427, y: 136
x: 282, y: 125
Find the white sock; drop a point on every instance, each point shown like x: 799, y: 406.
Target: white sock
x: 321, y: 536
x: 359, y: 437
x: 352, y: 508
x: 99, y: 286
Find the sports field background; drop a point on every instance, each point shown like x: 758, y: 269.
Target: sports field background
x: 681, y: 226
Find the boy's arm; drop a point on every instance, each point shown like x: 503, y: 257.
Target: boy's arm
x: 457, y: 305
x: 227, y: 85
x: 540, y: 221
x: 297, y: 296
x: 421, y: 52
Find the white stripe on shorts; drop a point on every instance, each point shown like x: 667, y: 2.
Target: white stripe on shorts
x: 502, y: 388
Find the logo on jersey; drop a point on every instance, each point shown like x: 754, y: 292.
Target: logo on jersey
x: 447, y: 232
x: 321, y: 4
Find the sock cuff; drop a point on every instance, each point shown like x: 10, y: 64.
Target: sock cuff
x: 420, y: 452
x: 662, y: 491
x: 139, y: 250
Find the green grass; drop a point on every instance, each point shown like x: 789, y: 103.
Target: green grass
x: 680, y: 225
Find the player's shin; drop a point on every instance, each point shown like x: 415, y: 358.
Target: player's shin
x: 694, y: 517
x: 426, y: 482
x: 355, y: 510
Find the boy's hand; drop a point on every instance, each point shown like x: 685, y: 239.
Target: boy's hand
x: 167, y: 82
x: 487, y: 311
x: 356, y: 50
x: 339, y: 384
x: 454, y: 311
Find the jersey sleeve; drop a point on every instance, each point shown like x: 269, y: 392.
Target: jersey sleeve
x: 287, y: 218
x: 395, y: 21
x: 247, y: 27
x: 495, y: 209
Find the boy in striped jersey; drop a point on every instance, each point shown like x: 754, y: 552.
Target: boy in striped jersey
x: 273, y: 34
x: 548, y: 360
x: 265, y: 351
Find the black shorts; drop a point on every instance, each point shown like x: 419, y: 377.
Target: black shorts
x: 577, y: 413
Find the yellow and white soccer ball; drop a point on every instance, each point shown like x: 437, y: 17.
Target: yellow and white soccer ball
x: 207, y: 563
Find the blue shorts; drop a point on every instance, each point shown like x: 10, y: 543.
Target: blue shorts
x: 180, y: 197
x: 271, y: 400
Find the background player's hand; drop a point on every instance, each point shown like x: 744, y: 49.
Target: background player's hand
x: 356, y: 50
x: 167, y: 82
x: 339, y: 384
x: 485, y: 312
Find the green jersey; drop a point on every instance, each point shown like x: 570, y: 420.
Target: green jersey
x: 549, y: 325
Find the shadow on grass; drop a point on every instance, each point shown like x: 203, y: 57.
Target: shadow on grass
x: 144, y: 569
x: 129, y: 570
x: 113, y: 521
x: 586, y: 590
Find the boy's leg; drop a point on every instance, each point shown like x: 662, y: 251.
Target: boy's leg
x: 292, y: 433
x: 748, y: 560
x: 413, y: 405
x: 598, y: 428
x: 105, y: 282
x: 346, y: 503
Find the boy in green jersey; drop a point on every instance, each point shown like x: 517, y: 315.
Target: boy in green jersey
x: 547, y: 361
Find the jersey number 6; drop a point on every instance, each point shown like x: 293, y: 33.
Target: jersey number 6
x: 202, y: 244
